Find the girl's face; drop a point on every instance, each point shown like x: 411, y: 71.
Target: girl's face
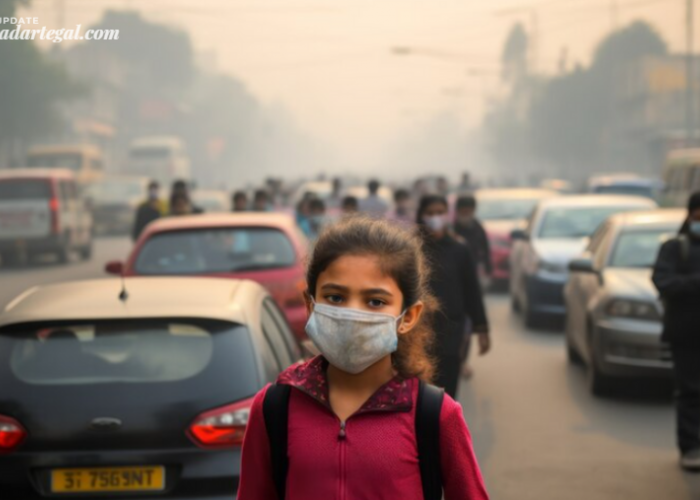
x: 357, y: 282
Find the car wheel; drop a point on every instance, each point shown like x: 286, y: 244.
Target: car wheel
x: 63, y: 254
x: 599, y: 384
x: 86, y: 251
x: 514, y: 304
x: 572, y: 354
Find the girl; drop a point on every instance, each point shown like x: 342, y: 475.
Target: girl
x: 351, y: 411
x: 455, y: 284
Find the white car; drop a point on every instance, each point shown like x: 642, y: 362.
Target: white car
x: 41, y: 212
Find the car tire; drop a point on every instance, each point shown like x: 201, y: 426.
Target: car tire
x: 514, y: 304
x: 86, y: 251
x: 572, y: 354
x: 63, y: 254
x: 599, y: 384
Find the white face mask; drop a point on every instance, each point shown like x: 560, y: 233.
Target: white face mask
x: 435, y: 223
x: 350, y: 339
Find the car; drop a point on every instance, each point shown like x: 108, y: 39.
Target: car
x: 134, y: 389
x: 264, y: 247
x: 613, y: 312
x: 212, y: 200
x: 86, y: 161
x: 630, y: 184
x: 557, y: 231
x: 681, y: 176
x: 41, y: 212
x: 501, y: 211
x: 114, y: 201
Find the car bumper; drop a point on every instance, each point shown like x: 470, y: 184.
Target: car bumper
x: 50, y: 243
x: 545, y: 294
x: 632, y: 348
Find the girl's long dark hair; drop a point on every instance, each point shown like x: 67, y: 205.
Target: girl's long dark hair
x: 401, y: 256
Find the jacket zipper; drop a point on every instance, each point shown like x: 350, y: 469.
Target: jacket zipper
x: 342, y: 435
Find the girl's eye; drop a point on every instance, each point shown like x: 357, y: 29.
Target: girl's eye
x: 334, y: 299
x: 376, y: 303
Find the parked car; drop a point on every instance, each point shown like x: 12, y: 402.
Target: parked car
x: 263, y: 247
x: 501, y: 211
x: 613, y: 313
x: 681, y: 176
x: 630, y: 184
x: 114, y: 201
x: 557, y: 231
x: 84, y: 160
x: 147, y: 393
x: 212, y: 200
x: 41, y: 212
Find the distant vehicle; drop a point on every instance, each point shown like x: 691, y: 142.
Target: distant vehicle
x: 501, y: 211
x: 84, y: 160
x: 557, y: 231
x: 263, y: 247
x: 613, y: 313
x: 41, y: 212
x: 681, y: 176
x: 138, y: 398
x: 559, y: 185
x: 161, y: 158
x: 629, y: 184
x: 114, y: 201
x: 212, y: 201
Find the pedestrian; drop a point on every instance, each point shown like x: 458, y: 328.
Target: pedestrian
x: 373, y: 205
x: 402, y: 208
x: 317, y: 217
x: 468, y: 227
x: 349, y: 423
x: 677, y: 278
x: 148, y: 211
x: 350, y: 205
x: 303, y: 214
x: 261, y: 201
x: 240, y: 201
x: 180, y: 205
x: 179, y: 189
x: 454, y: 283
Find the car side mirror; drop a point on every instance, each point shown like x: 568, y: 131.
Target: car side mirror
x: 519, y: 235
x: 114, y: 267
x: 582, y: 265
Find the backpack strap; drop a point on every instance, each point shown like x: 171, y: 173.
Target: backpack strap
x: 428, y: 407
x: 276, y: 413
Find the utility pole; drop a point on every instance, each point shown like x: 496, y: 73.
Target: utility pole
x: 689, y: 75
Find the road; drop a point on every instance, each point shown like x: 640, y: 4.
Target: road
x: 537, y: 431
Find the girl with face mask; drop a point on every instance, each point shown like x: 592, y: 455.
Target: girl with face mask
x: 455, y: 284
x: 352, y: 410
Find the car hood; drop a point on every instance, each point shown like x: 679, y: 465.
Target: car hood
x: 503, y: 227
x: 632, y: 283
x: 559, y: 251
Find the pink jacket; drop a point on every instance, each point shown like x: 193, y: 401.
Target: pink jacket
x: 374, y: 458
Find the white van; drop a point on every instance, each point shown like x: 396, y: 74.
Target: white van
x: 681, y: 176
x: 41, y: 212
x: 160, y: 158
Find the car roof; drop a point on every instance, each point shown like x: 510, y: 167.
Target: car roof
x: 152, y: 297
x: 592, y: 200
x: 201, y: 221
x: 36, y: 173
x: 526, y: 193
x: 662, y: 217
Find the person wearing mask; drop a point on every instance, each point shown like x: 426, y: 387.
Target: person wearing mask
x: 677, y: 278
x: 317, y: 217
x: 374, y: 205
x: 402, y: 207
x: 180, y: 188
x: 470, y: 229
x: 180, y: 205
x: 350, y: 205
x: 261, y: 201
x: 454, y: 283
x: 349, y: 423
x: 150, y: 210
x: 240, y: 201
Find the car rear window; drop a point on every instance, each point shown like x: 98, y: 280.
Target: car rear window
x: 578, y: 222
x: 215, y: 251
x: 116, y: 351
x: 24, y: 189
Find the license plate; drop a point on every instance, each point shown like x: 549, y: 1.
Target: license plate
x: 108, y: 479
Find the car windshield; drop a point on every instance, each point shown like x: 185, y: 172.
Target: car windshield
x: 208, y: 251
x: 639, y: 248
x: 113, y: 191
x: 69, y: 160
x: 117, y: 351
x: 624, y: 189
x: 24, y: 189
x: 506, y: 209
x: 576, y: 222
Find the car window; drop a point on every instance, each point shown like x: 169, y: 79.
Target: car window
x: 597, y: 237
x: 208, y: 251
x: 603, y: 251
x: 126, y: 352
x: 506, y: 209
x: 274, y: 338
x: 24, y: 189
x: 577, y: 222
x: 639, y: 249
x: 284, y: 329
x: 645, y: 191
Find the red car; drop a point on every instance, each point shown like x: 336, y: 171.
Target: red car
x: 263, y: 247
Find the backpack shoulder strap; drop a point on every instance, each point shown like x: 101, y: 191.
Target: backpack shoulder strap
x: 276, y: 413
x: 428, y: 407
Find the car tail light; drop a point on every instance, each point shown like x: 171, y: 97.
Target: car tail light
x: 11, y: 434
x: 222, y: 427
x: 54, y: 206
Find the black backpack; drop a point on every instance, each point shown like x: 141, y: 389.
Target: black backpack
x: 429, y: 404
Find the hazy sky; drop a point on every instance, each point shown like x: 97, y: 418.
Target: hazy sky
x: 330, y: 62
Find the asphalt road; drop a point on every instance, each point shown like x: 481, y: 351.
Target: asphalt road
x: 537, y: 431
